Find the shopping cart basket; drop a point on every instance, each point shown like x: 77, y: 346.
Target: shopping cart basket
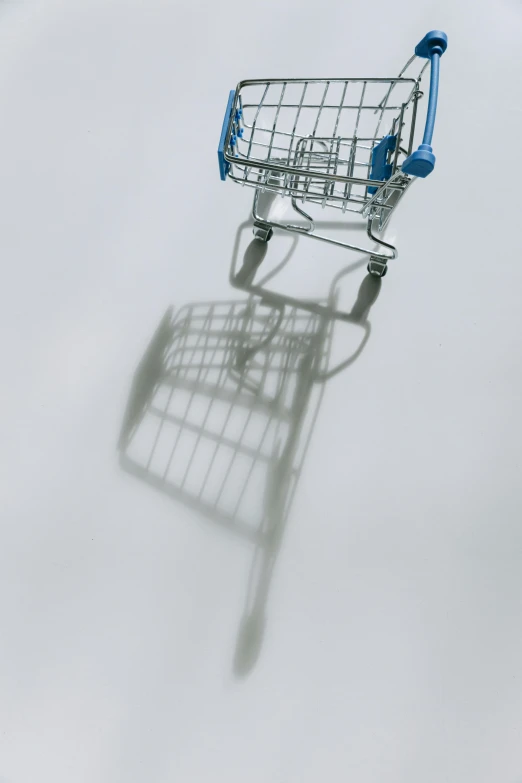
x: 342, y: 143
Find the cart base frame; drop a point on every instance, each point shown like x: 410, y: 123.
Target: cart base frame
x: 377, y: 213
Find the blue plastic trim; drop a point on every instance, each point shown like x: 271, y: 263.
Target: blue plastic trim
x: 422, y: 162
x: 224, y: 165
x: 435, y: 39
x: 380, y: 169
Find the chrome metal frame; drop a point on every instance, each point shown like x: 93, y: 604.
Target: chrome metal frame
x: 308, y: 140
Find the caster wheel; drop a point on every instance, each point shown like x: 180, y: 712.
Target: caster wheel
x: 263, y: 233
x: 377, y: 272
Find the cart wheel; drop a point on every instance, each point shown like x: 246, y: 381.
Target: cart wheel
x: 264, y: 233
x: 377, y: 271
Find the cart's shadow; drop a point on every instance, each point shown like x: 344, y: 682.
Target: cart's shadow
x: 222, y: 409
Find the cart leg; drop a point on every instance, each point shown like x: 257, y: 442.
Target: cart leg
x: 378, y: 263
x: 262, y: 228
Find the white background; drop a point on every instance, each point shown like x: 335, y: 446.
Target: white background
x: 393, y: 645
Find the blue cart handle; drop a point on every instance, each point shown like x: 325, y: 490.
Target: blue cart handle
x: 422, y: 162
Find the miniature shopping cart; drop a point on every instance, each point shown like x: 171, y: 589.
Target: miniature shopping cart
x: 342, y: 143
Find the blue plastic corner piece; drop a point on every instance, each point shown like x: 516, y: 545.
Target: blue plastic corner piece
x: 420, y: 163
x: 224, y: 165
x: 434, y: 42
x: 380, y: 168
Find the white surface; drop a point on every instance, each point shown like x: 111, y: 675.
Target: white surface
x: 394, y: 636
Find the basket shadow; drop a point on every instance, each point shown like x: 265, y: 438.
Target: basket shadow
x: 221, y: 413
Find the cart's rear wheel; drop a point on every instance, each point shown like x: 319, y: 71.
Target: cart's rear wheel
x: 264, y: 233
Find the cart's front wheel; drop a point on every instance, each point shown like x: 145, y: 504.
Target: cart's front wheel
x: 264, y: 233
x: 377, y: 268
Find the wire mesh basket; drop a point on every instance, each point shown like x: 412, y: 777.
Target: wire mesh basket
x: 323, y: 131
